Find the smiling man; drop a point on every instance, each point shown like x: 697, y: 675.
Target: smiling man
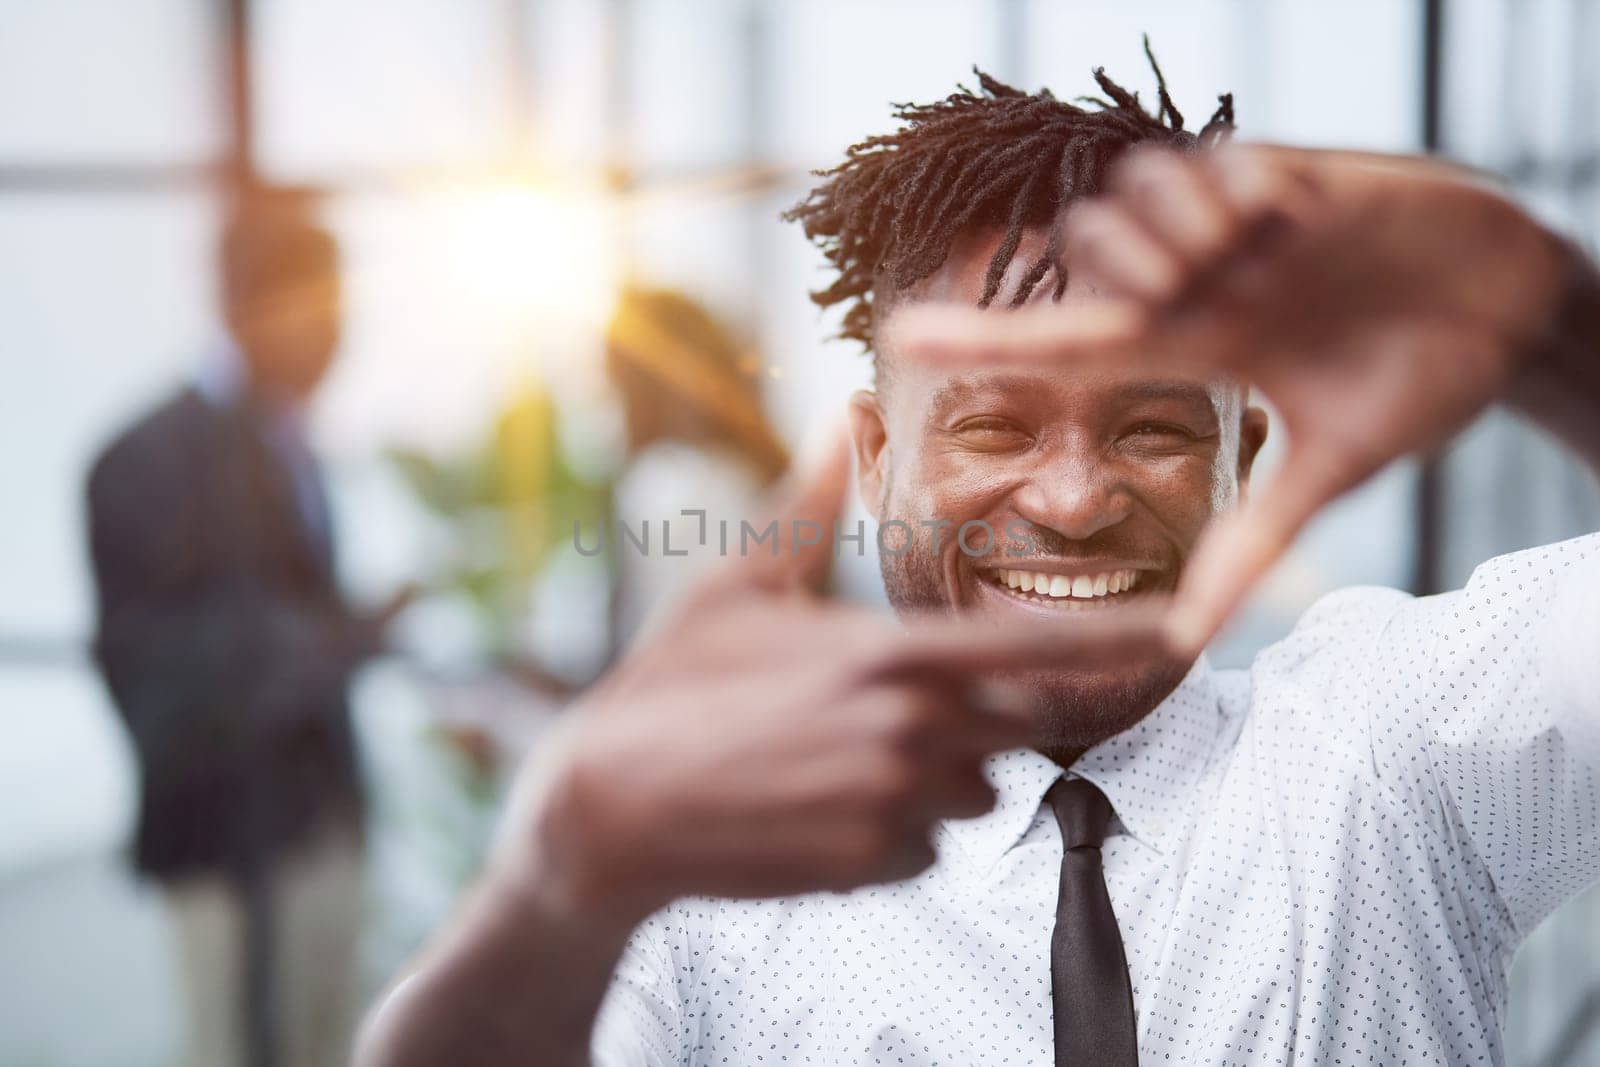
x: 1329, y: 858
x: 1103, y: 479
x: 1112, y: 474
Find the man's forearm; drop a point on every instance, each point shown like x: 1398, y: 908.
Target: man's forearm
x: 516, y: 982
x: 1559, y: 385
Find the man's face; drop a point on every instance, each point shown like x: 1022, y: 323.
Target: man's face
x: 1081, y: 489
x: 289, y: 334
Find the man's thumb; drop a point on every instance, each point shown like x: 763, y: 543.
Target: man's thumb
x: 796, y: 544
x: 1240, y: 547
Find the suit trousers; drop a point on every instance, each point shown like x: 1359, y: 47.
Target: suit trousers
x: 318, y: 894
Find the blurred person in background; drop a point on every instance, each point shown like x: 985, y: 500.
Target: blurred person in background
x: 697, y: 439
x: 228, y: 648
x: 1329, y: 858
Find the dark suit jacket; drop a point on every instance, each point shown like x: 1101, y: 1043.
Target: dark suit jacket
x: 222, y: 638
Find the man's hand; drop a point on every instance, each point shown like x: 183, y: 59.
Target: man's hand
x: 1378, y: 302
x: 767, y: 741
x: 357, y: 636
x: 763, y: 741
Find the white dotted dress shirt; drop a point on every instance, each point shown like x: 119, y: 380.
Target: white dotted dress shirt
x: 1329, y: 858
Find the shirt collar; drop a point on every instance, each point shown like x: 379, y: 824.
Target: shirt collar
x: 1020, y: 779
x: 1148, y: 772
x: 222, y: 381
x: 220, y: 377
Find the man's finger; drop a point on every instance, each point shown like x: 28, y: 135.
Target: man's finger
x: 1259, y: 182
x: 947, y: 335
x: 1118, y: 334
x: 1330, y: 172
x: 1239, y: 548
x: 1175, y: 196
x: 960, y: 649
x: 975, y: 723
x: 1117, y: 255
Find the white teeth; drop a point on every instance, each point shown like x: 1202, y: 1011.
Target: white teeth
x: 1081, y: 586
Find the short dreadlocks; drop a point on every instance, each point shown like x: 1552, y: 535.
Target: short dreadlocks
x: 888, y: 215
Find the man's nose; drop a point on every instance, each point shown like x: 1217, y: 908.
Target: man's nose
x: 1078, y: 498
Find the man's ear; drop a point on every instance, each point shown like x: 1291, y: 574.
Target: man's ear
x: 870, y: 438
x: 1252, y: 435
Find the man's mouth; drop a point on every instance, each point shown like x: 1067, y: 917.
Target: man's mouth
x: 1063, y: 590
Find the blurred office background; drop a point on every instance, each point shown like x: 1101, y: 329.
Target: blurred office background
x: 499, y: 173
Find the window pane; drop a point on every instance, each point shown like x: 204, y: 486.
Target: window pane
x: 452, y: 297
x: 344, y: 87
x: 838, y: 64
x: 107, y: 303
x: 687, y: 83
x: 1197, y: 42
x: 699, y: 244
x: 110, y: 82
x: 1287, y: 63
x: 568, y: 46
x: 1312, y: 93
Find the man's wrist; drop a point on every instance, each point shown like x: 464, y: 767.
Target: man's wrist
x: 532, y: 900
x: 1557, y: 378
x: 551, y: 866
x: 1572, y: 319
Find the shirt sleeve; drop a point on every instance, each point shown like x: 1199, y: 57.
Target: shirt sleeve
x: 641, y: 1019
x: 1510, y: 719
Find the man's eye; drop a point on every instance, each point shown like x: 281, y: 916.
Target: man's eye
x: 1160, y: 432
x: 986, y: 424
x: 1159, y: 429
x: 989, y: 430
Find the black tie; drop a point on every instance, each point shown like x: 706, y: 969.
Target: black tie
x: 1088, y: 972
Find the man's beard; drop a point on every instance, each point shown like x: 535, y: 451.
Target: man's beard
x: 1077, y: 708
